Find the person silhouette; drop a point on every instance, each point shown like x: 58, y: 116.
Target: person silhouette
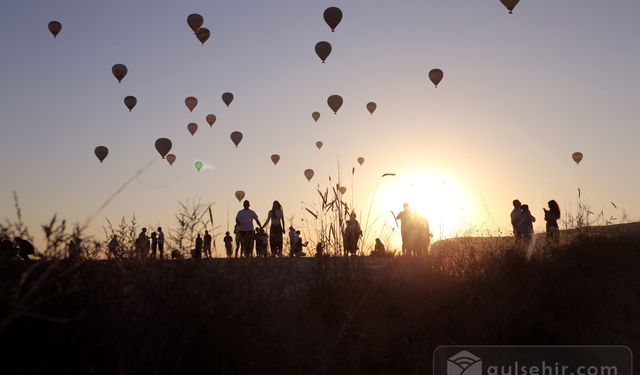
x: 551, y: 216
x: 245, y: 218
x: 142, y: 244
x: 228, y: 244
x: 406, y: 228
x: 525, y: 227
x: 154, y: 244
x: 197, y: 252
x: 378, y: 249
x: 73, y: 250
x: 161, y: 242
x: 236, y: 233
x: 207, y: 244
x: 276, y: 230
x: 113, y: 246
x: 352, y: 233
x: 516, y: 215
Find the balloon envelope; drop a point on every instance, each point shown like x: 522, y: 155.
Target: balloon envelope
x: 510, y: 4
x: 191, y: 102
x: 195, y: 21
x: 171, y: 158
x: 315, y: 116
x: 371, y: 107
x: 198, y: 165
x: 342, y: 190
x: 101, y: 152
x: 436, y: 75
x: 227, y: 98
x: 55, y: 27
x: 163, y: 146
x: 319, y: 144
x: 332, y: 16
x: 323, y: 49
x: 239, y: 195
x: 360, y: 160
x: 192, y: 127
x: 236, y: 137
x: 308, y: 173
x: 275, y: 158
x: 130, y: 102
x: 335, y: 102
x: 119, y: 71
x: 577, y: 157
x: 203, y: 34
x: 211, y: 119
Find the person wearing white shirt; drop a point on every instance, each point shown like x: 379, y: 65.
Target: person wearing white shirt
x: 244, y: 219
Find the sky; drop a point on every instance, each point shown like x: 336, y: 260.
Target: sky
x: 520, y: 94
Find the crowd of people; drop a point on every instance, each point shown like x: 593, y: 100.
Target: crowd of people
x: 522, y: 222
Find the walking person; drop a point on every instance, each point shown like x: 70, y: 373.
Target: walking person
x: 228, y: 244
x: 516, y: 215
x: 161, y: 242
x: 207, y: 244
x: 352, y: 234
x: 154, y: 244
x: 551, y: 216
x: 525, y: 227
x: 245, y: 218
x: 276, y: 230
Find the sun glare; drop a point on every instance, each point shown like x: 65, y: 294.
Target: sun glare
x: 434, y: 196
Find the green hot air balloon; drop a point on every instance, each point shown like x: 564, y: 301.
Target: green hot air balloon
x: 198, y: 165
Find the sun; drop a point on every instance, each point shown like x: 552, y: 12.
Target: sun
x: 432, y: 195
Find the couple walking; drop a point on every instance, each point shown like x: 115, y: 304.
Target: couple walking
x: 246, y: 233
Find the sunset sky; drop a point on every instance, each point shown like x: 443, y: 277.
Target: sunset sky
x: 520, y: 94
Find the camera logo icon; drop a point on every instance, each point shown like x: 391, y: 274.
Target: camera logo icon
x: 464, y: 363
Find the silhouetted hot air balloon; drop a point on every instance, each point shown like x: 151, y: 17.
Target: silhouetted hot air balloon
x: 236, y: 137
x: 227, y: 98
x: 119, y: 71
x: 101, y: 152
x: 360, y: 160
x: 371, y: 107
x: 195, y: 21
x: 275, y: 158
x: 342, y: 190
x: 55, y: 27
x: 163, y: 146
x: 323, y: 49
x: 191, y: 102
x: 171, y: 158
x: 239, y: 195
x: 192, y: 127
x: 335, y: 102
x: 510, y: 4
x: 577, y: 157
x: 198, y: 165
x: 211, y: 119
x: 203, y: 34
x: 315, y: 116
x: 436, y: 75
x: 130, y: 102
x: 308, y: 173
x: 332, y: 16
x: 319, y: 144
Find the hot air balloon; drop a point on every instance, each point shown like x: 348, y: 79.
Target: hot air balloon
x: 130, y: 102
x: 198, y: 165
x: 236, y: 137
x: 315, y: 116
x: 171, y: 158
x: 371, y: 107
x: 335, y: 102
x: 323, y: 49
x: 211, y: 119
x: 239, y: 195
x: 203, y: 34
x: 227, y: 98
x: 342, y: 190
x: 55, y: 27
x: 308, y: 173
x: 332, y: 16
x: 360, y: 160
x: 192, y: 127
x: 119, y: 71
x: 319, y: 144
x: 436, y: 75
x: 275, y: 158
x: 577, y: 157
x: 191, y: 102
x: 163, y: 146
x: 101, y: 152
x: 510, y: 4
x: 195, y: 21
